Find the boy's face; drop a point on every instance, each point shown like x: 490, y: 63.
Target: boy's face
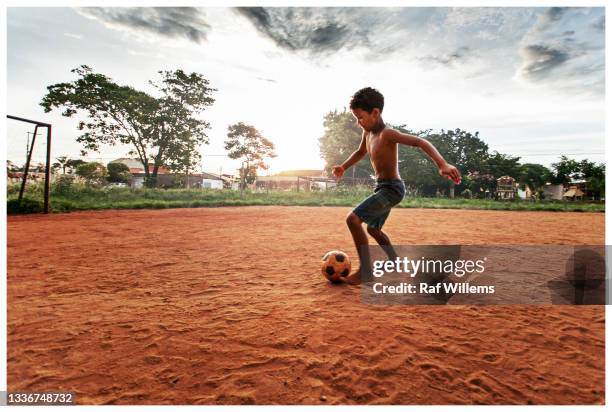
x: 366, y: 120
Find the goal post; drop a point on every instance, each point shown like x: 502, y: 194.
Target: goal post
x: 36, y: 124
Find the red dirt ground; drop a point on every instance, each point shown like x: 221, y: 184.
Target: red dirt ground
x: 226, y: 306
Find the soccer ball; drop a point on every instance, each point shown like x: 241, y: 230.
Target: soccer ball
x: 336, y: 264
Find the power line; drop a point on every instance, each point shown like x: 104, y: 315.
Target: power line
x: 557, y: 154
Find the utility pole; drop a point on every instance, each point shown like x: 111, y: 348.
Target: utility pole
x: 28, y: 143
x: 187, y: 172
x: 187, y: 178
x: 242, y: 179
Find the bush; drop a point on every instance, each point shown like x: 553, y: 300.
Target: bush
x: 467, y: 194
x: 63, y: 185
x: 93, y: 173
x: 118, y: 173
x: 13, y: 189
x: 27, y: 205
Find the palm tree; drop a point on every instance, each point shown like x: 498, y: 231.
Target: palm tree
x: 62, y: 162
x: 10, y: 166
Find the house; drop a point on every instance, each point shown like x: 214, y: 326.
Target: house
x: 506, y: 188
x: 230, y: 181
x: 166, y: 178
x: 553, y: 192
x: 291, y: 180
x: 210, y: 181
x: 573, y: 193
x: 526, y: 194
x: 33, y: 177
x: 587, y: 192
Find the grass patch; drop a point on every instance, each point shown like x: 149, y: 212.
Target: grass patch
x: 81, y: 197
x: 25, y: 206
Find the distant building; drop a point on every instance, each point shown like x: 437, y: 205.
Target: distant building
x: 506, y: 188
x: 33, y: 177
x: 573, y: 193
x: 210, y: 181
x: 166, y: 178
x: 553, y: 192
x: 577, y: 190
x: 587, y: 192
x: 230, y: 181
x: 304, y: 172
x: 525, y: 194
x: 291, y: 180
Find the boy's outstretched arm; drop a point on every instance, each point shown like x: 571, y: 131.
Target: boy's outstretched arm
x: 356, y: 156
x: 446, y: 169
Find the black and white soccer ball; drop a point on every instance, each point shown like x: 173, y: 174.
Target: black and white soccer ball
x: 336, y: 265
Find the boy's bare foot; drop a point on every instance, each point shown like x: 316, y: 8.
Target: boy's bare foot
x: 359, y: 277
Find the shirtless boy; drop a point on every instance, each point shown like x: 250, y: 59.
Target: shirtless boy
x: 381, y: 143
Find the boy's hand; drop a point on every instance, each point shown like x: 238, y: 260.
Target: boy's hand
x: 451, y: 172
x: 338, y: 171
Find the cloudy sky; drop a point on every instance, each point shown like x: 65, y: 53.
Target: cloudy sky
x: 530, y: 80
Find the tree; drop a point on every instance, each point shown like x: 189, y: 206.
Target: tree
x: 499, y: 165
x: 62, y: 163
x: 565, y: 170
x: 415, y: 167
x: 159, y: 130
x: 10, y: 167
x: 534, y: 176
x: 479, y: 183
x: 73, y: 164
x: 462, y: 149
x: 246, y: 143
x: 342, y: 137
x: 92, y: 172
x: 118, y: 173
x: 594, y: 175
x: 38, y: 168
x: 182, y: 95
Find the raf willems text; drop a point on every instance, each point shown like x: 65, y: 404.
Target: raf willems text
x: 424, y: 288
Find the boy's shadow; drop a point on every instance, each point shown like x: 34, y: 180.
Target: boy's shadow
x: 584, y: 280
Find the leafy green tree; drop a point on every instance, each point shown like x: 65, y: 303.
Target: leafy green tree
x: 72, y: 164
x: 340, y: 139
x: 415, y: 167
x: 159, y: 130
x: 118, y: 173
x: 92, y: 172
x: 499, y: 165
x: 479, y: 183
x: 594, y: 175
x: 182, y: 96
x: 62, y: 163
x: 245, y: 142
x: 534, y: 176
x: 565, y: 170
x: 462, y: 149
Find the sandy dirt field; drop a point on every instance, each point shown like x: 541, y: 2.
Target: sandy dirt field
x: 227, y: 306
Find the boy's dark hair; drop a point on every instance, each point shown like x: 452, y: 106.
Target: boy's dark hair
x: 367, y: 99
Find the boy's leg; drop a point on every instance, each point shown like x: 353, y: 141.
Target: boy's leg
x: 361, y: 244
x: 384, y: 241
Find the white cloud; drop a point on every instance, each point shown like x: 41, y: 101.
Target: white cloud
x: 74, y: 36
